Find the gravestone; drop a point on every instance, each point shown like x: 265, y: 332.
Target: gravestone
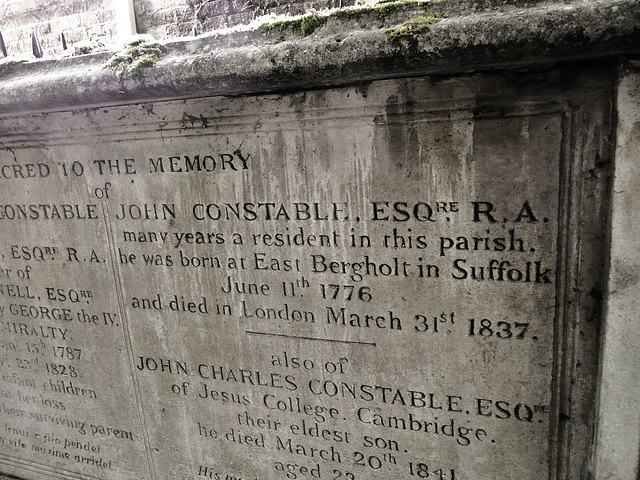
x: 401, y: 278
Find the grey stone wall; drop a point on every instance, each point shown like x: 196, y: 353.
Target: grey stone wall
x: 474, y: 88
x: 78, y: 20
x: 167, y: 18
x: 83, y: 21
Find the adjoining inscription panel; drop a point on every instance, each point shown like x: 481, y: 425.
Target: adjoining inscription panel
x: 356, y: 283
x: 67, y: 404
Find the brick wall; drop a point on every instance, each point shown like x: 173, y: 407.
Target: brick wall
x: 78, y: 19
x: 84, y: 20
x: 176, y: 18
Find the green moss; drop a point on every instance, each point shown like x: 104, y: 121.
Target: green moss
x: 308, y: 24
x: 412, y: 27
x: 7, y: 67
x: 138, y: 55
x: 305, y: 25
x: 282, y: 25
x: 382, y: 11
x: 87, y: 47
x: 311, y: 23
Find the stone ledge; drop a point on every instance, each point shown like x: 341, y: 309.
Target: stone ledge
x: 255, y: 61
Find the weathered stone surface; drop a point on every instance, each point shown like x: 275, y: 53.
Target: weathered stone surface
x: 204, y: 338
x: 374, y: 281
x: 163, y: 19
x: 251, y: 62
x: 620, y: 407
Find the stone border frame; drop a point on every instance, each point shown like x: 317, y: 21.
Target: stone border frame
x: 581, y: 93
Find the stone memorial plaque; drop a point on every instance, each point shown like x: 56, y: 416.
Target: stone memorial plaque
x: 359, y: 283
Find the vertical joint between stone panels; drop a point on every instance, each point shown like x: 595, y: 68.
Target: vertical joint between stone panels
x: 600, y: 185
x: 593, y: 465
x: 117, y: 277
x: 560, y: 439
x: 616, y: 448
x: 581, y: 243
x: 591, y: 470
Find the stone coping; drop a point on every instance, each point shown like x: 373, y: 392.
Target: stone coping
x: 255, y: 61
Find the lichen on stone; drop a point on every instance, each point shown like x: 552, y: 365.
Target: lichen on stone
x: 412, y: 27
x: 382, y: 10
x: 309, y: 23
x: 306, y: 24
x: 86, y: 47
x: 138, y: 55
x: 7, y: 66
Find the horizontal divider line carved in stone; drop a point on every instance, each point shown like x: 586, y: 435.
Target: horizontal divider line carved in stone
x: 43, y: 468
x: 117, y: 135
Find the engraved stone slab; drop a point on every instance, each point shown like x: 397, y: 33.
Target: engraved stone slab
x: 355, y: 283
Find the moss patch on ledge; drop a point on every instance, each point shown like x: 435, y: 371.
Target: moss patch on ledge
x: 7, y: 67
x: 412, y: 27
x: 139, y: 54
x: 309, y: 23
